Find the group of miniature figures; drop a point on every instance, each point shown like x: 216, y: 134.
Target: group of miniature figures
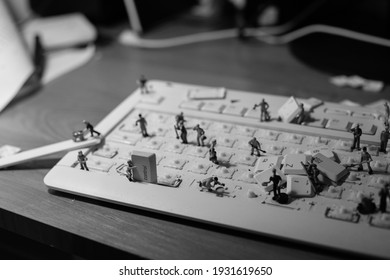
x: 312, y: 171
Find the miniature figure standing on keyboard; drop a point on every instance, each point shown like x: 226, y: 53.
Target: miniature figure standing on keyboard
x: 275, y: 179
x: 179, y: 118
x: 183, y: 132
x: 301, y: 114
x: 82, y: 159
x: 357, y: 132
x: 89, y: 127
x: 142, y: 123
x: 383, y: 195
x: 264, y: 114
x: 129, y: 170
x: 365, y: 158
x: 385, y: 135
x: 213, y: 153
x: 200, y: 137
x: 142, y: 81
x: 255, y: 146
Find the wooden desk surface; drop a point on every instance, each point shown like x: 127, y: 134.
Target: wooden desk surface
x: 93, y: 229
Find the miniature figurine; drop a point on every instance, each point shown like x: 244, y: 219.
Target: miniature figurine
x: 179, y: 118
x: 210, y: 183
x: 142, y: 123
x: 129, y: 170
x: 385, y: 134
x: 200, y: 137
x: 357, y: 132
x: 275, y: 179
x: 383, y: 195
x: 142, y: 81
x: 82, y: 159
x: 255, y: 146
x: 183, y: 132
x: 301, y: 114
x: 264, y: 114
x: 89, y: 127
x: 365, y: 158
x: 213, y: 153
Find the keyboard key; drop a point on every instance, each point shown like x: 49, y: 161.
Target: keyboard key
x: 197, y: 151
x: 99, y: 164
x: 299, y: 186
x: 273, y: 149
x: 173, y: 162
x: 324, y: 150
x: 243, y: 130
x: 225, y: 141
x: 330, y: 168
x: 339, y: 124
x: 343, y: 145
x: 244, y: 159
x: 289, y: 110
x: 154, y: 144
x: 334, y: 192
x: 268, y: 135
x: 224, y: 156
x: 106, y: 151
x: 200, y: 167
x: 342, y: 213
x: 192, y: 105
x: 379, y: 166
x: 381, y: 220
x: 221, y: 127
x: 291, y: 138
x: 169, y: 179
x: 235, y: 110
x: 145, y: 166
x: 245, y: 176
x: 292, y: 164
x: 174, y: 148
x: 264, y: 163
x: 224, y: 172
x: 213, y: 107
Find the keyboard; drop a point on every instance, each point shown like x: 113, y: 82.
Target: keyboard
x: 170, y: 173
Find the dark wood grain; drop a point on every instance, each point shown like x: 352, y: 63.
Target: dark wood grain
x: 94, y: 229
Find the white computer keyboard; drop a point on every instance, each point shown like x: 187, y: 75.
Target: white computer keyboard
x: 326, y: 215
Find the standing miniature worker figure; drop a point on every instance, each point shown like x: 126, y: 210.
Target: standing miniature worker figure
x: 142, y: 123
x: 183, y: 132
x: 383, y: 195
x: 264, y: 114
x: 357, y: 132
x: 129, y: 170
x: 314, y: 175
x: 200, y: 137
x: 213, y: 153
x: 365, y: 158
x: 89, y: 127
x: 142, y: 81
x: 82, y: 159
x: 179, y: 118
x: 385, y: 135
x: 301, y: 114
x: 255, y: 146
x: 210, y: 183
x: 275, y: 179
